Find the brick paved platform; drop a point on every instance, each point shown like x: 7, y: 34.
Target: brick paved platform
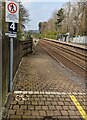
x: 42, y: 89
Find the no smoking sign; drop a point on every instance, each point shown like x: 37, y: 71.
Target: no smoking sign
x: 12, y: 12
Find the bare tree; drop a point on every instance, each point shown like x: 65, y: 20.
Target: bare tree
x: 71, y: 18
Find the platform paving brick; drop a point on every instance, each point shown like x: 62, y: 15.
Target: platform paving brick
x: 42, y: 113
x: 18, y: 117
x: 23, y: 107
x: 16, y: 107
x: 42, y: 89
x: 14, y: 102
x: 31, y: 107
x: 11, y: 112
x: 27, y: 112
x: 35, y: 113
x: 19, y: 112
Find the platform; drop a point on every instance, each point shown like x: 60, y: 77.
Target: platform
x: 45, y: 89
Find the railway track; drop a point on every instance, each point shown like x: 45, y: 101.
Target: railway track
x: 74, y: 59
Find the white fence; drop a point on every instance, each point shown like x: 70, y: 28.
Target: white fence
x: 80, y: 40
x: 77, y: 39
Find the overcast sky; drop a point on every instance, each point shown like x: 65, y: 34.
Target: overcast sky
x: 41, y: 11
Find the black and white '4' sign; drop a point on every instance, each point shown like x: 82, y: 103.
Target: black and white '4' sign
x: 12, y: 27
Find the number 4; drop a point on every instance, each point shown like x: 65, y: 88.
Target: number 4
x: 12, y: 26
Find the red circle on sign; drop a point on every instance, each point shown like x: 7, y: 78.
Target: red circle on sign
x: 11, y: 7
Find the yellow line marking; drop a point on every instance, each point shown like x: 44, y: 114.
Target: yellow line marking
x: 82, y: 112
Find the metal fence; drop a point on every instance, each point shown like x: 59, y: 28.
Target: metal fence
x: 20, y: 49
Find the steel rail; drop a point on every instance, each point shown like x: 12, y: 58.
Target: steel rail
x: 81, y: 56
x: 57, y: 56
x: 74, y: 57
x: 66, y: 58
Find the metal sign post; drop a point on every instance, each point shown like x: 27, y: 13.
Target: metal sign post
x: 12, y: 30
x: 11, y: 62
x: 12, y: 16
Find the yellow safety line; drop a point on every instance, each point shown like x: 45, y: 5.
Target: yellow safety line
x: 82, y: 112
